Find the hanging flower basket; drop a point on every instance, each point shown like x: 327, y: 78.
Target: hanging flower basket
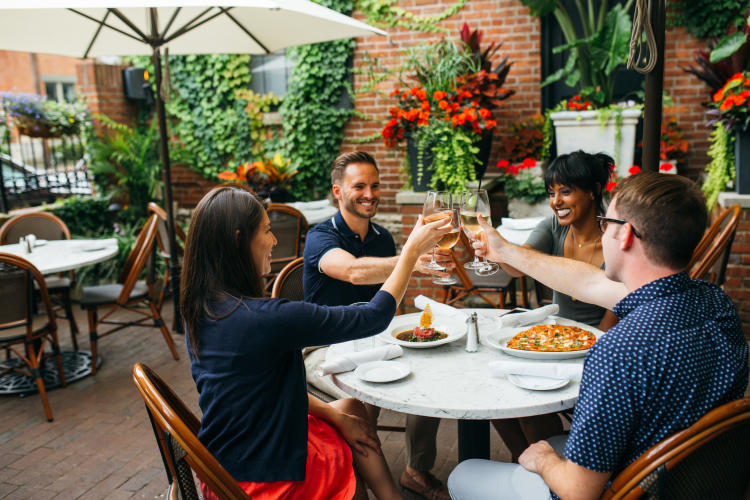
x: 36, y: 129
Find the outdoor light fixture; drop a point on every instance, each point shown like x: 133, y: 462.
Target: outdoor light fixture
x: 135, y: 85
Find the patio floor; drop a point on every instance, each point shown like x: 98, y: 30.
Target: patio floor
x: 101, y: 446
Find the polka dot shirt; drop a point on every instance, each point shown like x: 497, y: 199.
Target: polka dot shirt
x: 677, y: 352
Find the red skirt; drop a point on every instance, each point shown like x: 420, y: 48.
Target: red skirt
x: 329, y: 473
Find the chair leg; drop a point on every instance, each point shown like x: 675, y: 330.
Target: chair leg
x: 93, y: 337
x: 58, y: 359
x: 68, y: 305
x: 37, y: 374
x: 158, y: 321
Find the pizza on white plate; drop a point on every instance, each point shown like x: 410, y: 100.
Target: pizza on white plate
x: 552, y: 338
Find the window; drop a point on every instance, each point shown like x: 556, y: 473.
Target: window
x: 270, y: 73
x: 60, y: 88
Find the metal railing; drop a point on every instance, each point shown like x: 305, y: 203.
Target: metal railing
x: 42, y: 170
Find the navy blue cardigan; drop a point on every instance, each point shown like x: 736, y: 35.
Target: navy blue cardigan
x: 251, y: 379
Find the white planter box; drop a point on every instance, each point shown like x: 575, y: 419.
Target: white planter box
x: 519, y: 209
x: 576, y: 130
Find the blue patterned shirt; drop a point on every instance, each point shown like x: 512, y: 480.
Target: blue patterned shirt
x: 677, y: 353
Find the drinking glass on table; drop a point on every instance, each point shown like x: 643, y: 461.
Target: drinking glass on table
x: 473, y: 203
x: 439, y: 205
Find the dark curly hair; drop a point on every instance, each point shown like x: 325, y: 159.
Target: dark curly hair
x: 589, y: 172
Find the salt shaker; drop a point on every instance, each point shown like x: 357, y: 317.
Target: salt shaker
x: 472, y: 336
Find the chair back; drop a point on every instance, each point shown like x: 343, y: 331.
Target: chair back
x: 17, y: 304
x: 162, y: 235
x: 176, y: 428
x: 43, y: 225
x: 137, y: 258
x: 288, y: 284
x: 709, y: 459
x: 289, y: 226
x: 710, y: 257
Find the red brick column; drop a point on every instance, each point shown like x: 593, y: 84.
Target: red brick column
x: 101, y: 87
x: 189, y: 186
x: 737, y: 284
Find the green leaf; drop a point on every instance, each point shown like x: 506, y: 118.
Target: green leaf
x: 728, y: 46
x: 539, y: 8
x: 611, y: 44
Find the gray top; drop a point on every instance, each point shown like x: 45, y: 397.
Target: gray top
x: 549, y: 237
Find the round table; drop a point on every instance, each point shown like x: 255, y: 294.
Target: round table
x: 448, y: 382
x: 56, y: 256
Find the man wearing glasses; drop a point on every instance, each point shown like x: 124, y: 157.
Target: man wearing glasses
x: 677, y: 352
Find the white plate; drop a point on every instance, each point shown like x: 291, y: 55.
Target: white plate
x: 454, y: 328
x: 500, y: 338
x: 534, y: 383
x: 40, y: 243
x: 382, y: 371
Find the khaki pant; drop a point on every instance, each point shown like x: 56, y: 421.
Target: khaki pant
x: 421, y: 433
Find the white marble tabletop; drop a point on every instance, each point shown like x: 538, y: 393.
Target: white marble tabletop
x: 56, y: 256
x: 448, y: 382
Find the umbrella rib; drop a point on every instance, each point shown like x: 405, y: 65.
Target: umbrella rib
x: 192, y: 24
x: 242, y: 27
x: 122, y: 17
x: 102, y: 23
x: 96, y: 35
x: 171, y: 20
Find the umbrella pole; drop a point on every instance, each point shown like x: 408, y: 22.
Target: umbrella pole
x: 654, y: 90
x: 174, y: 265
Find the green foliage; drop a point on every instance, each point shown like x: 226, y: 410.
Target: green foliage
x: 85, y: 217
x: 706, y: 18
x: 385, y: 14
x: 596, y: 50
x: 36, y: 113
x: 205, y: 113
x: 454, y: 155
x: 527, y: 185
x: 313, y: 124
x: 257, y: 104
x: 720, y: 170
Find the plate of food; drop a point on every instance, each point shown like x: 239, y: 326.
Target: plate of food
x: 423, y: 331
x: 558, y: 339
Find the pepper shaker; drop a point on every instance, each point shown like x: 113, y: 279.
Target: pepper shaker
x: 472, y: 336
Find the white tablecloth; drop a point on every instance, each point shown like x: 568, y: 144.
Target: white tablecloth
x: 63, y: 255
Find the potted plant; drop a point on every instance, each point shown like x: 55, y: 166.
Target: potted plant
x: 524, y: 188
x: 446, y: 115
x: 672, y: 147
x: 35, y: 116
x: 597, y: 46
x: 731, y: 112
x: 270, y: 178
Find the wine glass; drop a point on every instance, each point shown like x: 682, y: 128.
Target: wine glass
x: 439, y: 205
x: 473, y: 203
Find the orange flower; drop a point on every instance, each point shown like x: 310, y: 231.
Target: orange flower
x: 438, y: 95
x: 726, y: 105
x: 227, y: 175
x: 443, y: 104
x: 484, y: 113
x: 395, y: 92
x: 421, y: 95
x: 490, y: 124
x: 426, y: 105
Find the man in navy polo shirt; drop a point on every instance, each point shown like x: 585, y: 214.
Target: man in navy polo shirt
x: 347, y: 258
x: 677, y: 352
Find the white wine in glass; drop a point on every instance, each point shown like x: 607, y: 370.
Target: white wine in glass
x: 439, y: 205
x: 474, y: 203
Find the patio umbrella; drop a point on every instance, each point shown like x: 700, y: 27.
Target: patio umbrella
x: 92, y: 28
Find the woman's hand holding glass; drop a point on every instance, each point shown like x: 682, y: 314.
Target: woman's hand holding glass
x: 474, y: 203
x: 438, y: 205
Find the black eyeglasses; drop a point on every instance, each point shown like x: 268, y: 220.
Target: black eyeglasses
x: 603, y: 221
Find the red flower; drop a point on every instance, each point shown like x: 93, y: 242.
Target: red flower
x: 503, y: 163
x: 666, y: 167
x: 395, y: 92
x: 484, y: 113
x: 610, y: 186
x: 227, y: 175
x: 529, y: 163
x: 634, y: 169
x: 421, y: 95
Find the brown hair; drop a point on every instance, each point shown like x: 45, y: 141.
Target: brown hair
x: 346, y: 159
x: 217, y: 262
x: 668, y: 211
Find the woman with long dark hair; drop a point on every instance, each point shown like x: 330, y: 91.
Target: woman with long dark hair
x: 575, y: 183
x: 245, y: 350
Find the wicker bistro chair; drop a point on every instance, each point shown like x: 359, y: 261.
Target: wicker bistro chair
x: 710, y: 257
x: 709, y: 459
x: 176, y: 429
x: 290, y: 227
x: 288, y: 283
x: 46, y: 226
x: 164, y: 250
x: 500, y: 282
x: 18, y: 327
x: 127, y: 294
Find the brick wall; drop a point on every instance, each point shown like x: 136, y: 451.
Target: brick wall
x: 17, y: 73
x: 509, y: 21
x: 101, y: 86
x: 737, y: 284
x: 188, y: 186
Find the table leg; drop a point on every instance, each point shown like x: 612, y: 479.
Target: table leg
x: 473, y: 439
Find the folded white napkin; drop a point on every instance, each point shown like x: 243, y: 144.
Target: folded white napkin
x: 31, y: 238
x: 350, y: 361
x: 564, y: 371
x: 523, y: 223
x: 439, y: 309
x: 529, y: 317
